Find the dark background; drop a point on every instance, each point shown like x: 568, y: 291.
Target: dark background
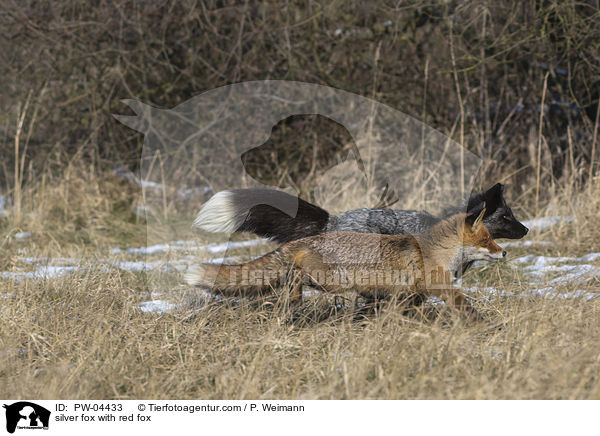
x: 473, y: 70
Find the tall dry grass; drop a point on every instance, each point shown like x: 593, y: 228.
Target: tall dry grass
x: 82, y: 337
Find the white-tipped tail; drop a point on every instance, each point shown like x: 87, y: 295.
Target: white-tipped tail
x: 219, y: 214
x: 265, y: 212
x: 194, y: 276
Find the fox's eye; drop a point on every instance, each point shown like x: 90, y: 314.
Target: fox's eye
x: 506, y: 217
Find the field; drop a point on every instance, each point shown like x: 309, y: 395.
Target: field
x: 79, y: 319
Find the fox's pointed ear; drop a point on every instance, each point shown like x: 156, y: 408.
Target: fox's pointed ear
x: 497, y: 189
x: 494, y: 197
x: 479, y: 219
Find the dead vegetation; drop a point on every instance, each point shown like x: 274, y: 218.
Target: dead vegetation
x: 477, y: 73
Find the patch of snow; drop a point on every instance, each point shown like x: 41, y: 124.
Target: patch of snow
x: 525, y: 259
x: 64, y: 261
x: 435, y: 301
x: 547, y: 221
x: 53, y: 271
x: 527, y: 244
x: 489, y: 290
x: 360, y: 31
x: 189, y: 245
x: 156, y: 306
x: 549, y: 292
x: 542, y: 265
x: 122, y: 171
x: 584, y: 272
x: 590, y: 257
x: 149, y: 184
x: 43, y: 272
x: 540, y: 270
x: 185, y: 193
x: 16, y: 275
x: 135, y: 266
x: 210, y: 297
x: 22, y: 235
x: 546, y: 292
x: 3, y: 208
x: 139, y: 265
x: 545, y: 260
x: 580, y: 293
x: 480, y: 263
x: 152, y: 249
x: 310, y: 292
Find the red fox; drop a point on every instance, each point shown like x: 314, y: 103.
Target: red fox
x: 371, y: 264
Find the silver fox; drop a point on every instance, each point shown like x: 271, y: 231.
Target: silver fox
x: 282, y: 217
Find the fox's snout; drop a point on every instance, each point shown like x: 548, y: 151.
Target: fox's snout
x: 491, y: 250
x: 496, y: 252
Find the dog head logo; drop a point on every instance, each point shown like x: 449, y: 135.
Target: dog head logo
x: 26, y: 415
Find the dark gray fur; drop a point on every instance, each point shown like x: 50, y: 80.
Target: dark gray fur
x: 382, y: 221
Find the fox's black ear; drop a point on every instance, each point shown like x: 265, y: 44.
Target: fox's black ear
x: 476, y: 213
x: 497, y: 188
x: 494, y: 197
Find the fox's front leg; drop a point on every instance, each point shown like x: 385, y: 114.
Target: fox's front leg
x: 296, y: 288
x: 455, y: 298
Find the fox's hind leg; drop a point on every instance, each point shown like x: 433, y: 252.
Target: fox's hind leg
x: 415, y: 299
x: 413, y: 302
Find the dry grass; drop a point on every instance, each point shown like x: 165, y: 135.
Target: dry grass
x: 82, y: 336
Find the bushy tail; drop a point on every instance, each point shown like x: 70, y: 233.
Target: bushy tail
x: 257, y: 277
x: 266, y: 212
